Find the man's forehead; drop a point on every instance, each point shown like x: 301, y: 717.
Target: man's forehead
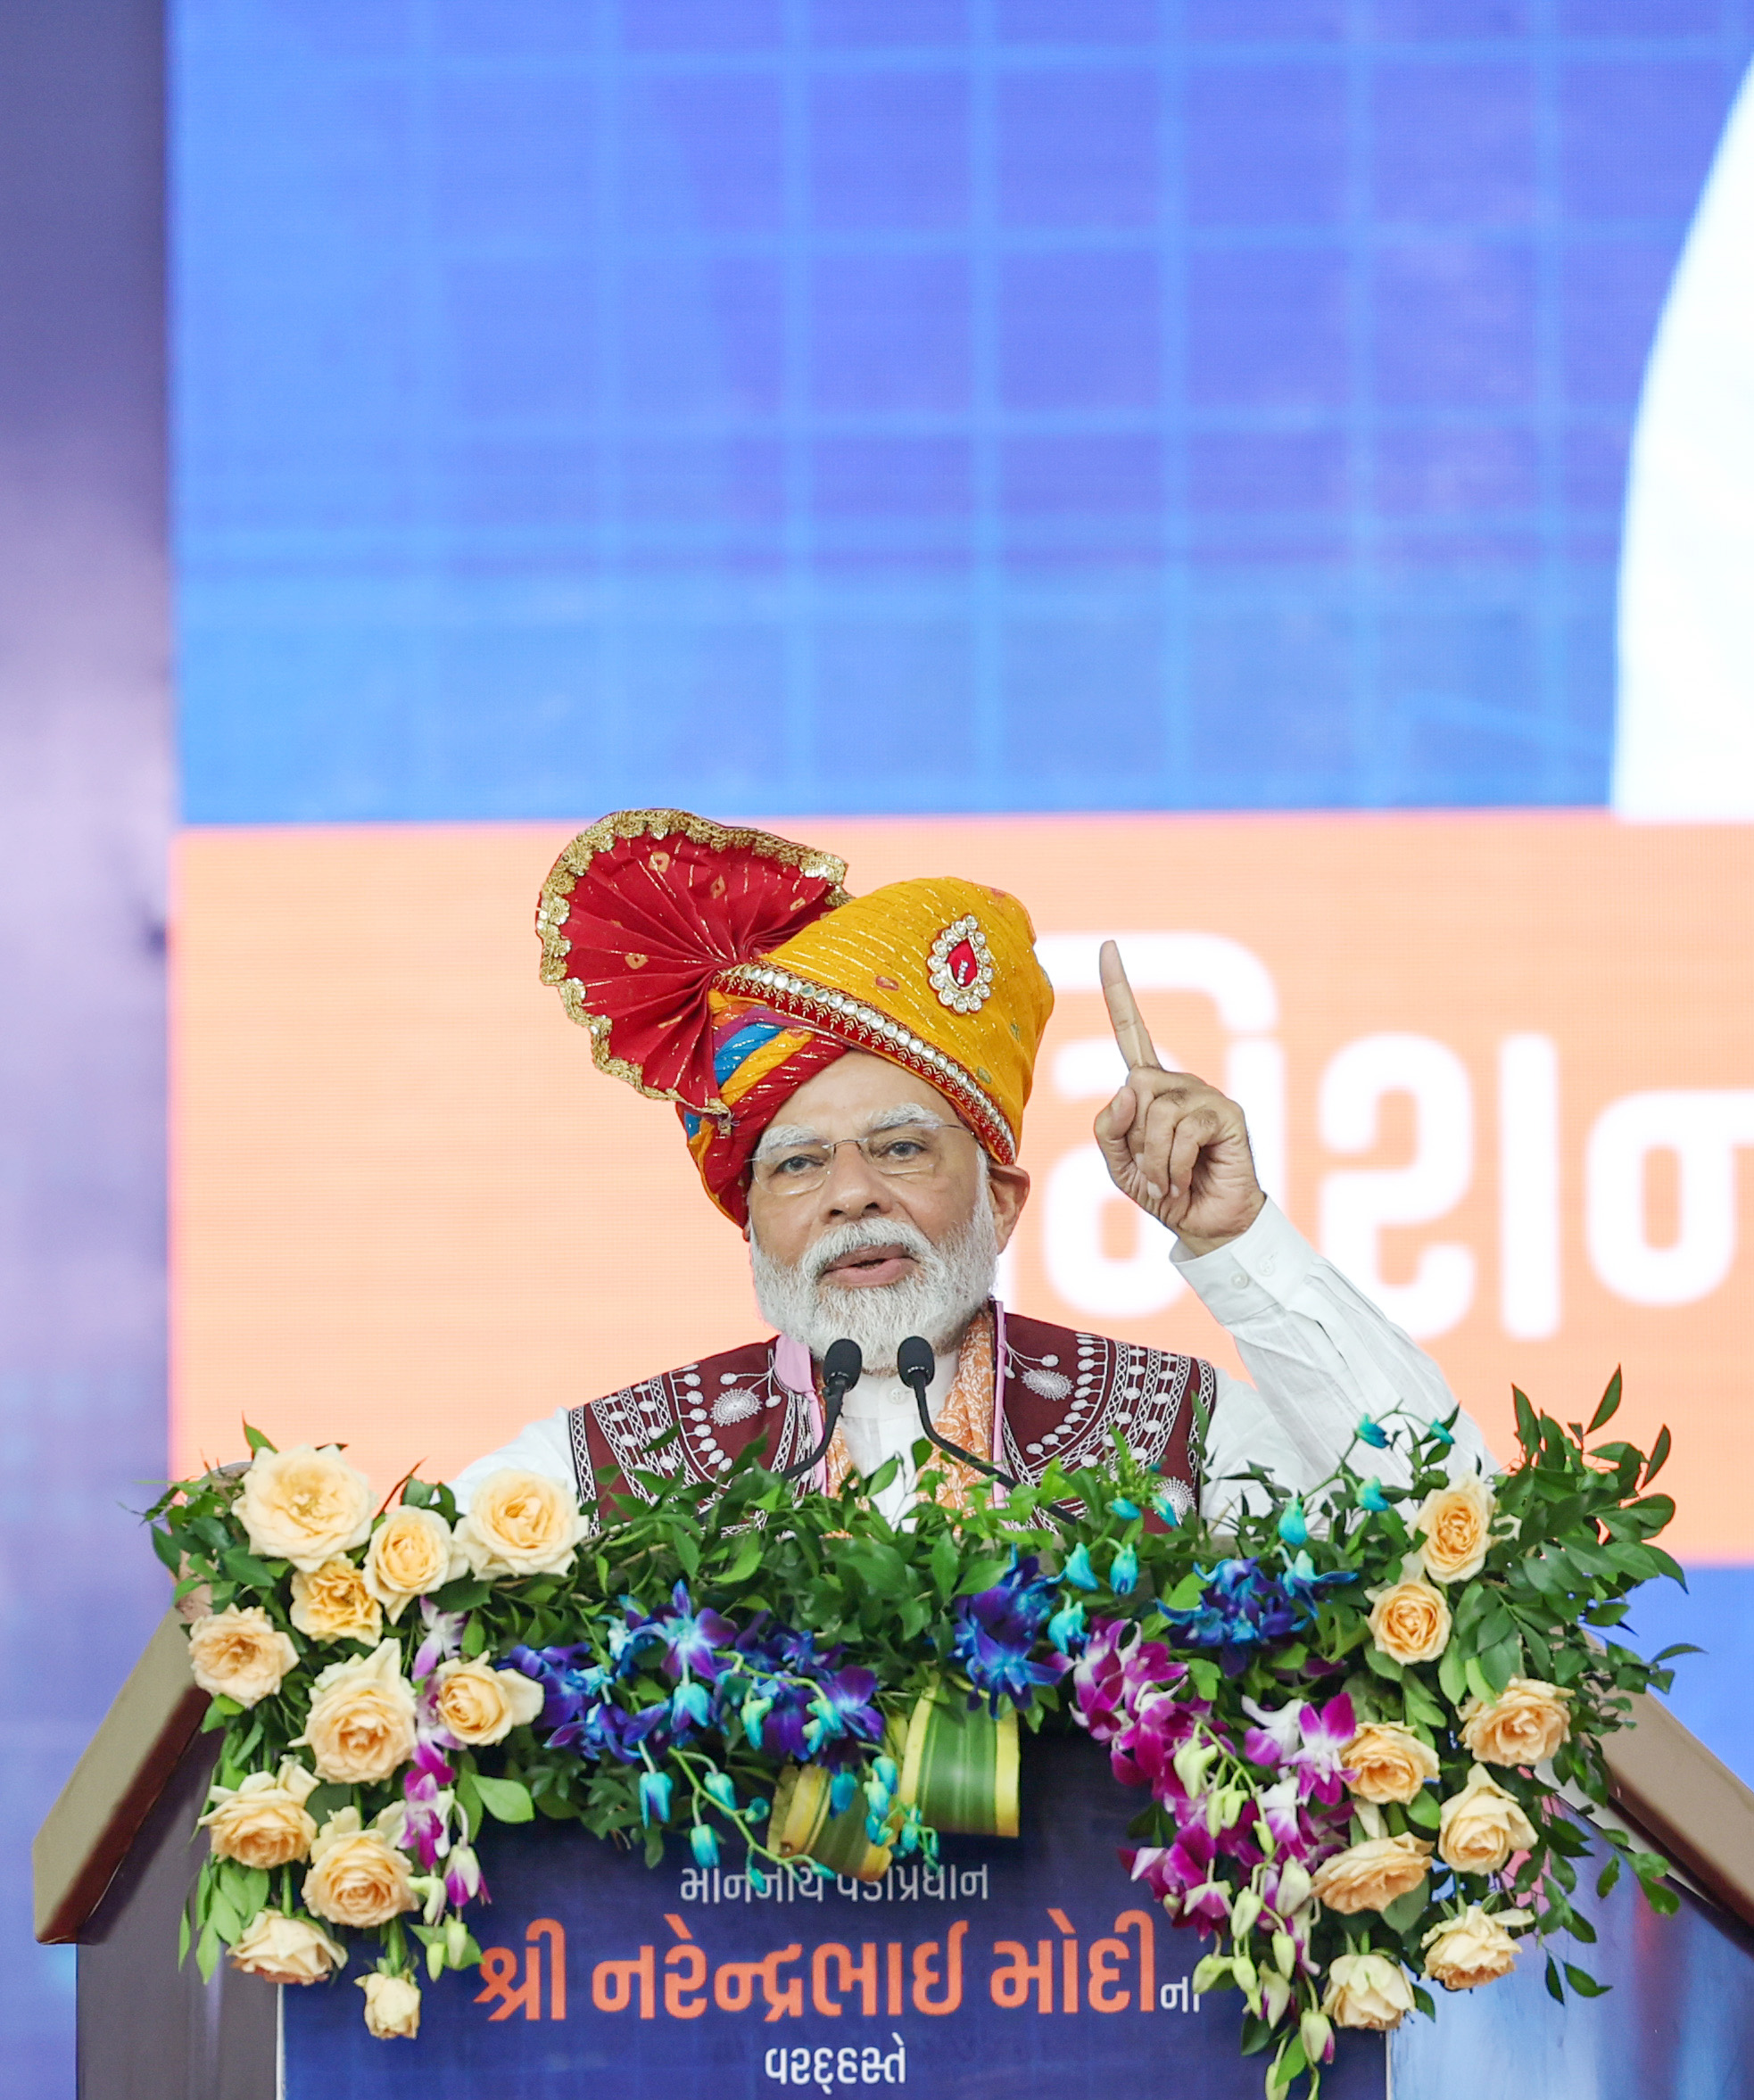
x: 861, y: 1125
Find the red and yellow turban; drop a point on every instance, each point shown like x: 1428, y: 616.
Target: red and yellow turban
x: 722, y: 969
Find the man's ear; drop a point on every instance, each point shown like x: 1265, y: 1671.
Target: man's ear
x: 1009, y: 1188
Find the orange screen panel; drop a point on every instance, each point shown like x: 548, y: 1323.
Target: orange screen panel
x: 1500, y: 1066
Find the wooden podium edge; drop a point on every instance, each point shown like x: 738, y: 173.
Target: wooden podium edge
x: 1692, y: 1805
x: 112, y: 1789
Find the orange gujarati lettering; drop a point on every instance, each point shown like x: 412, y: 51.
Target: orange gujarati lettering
x: 1142, y: 1923
x: 498, y: 1976
x: 555, y: 1933
x: 1010, y: 1984
x: 822, y: 1992
x: 612, y: 1985
x: 735, y: 1982
x: 925, y: 1974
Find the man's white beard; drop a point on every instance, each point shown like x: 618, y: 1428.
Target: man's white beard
x: 950, y: 1286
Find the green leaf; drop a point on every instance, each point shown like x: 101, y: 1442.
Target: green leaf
x: 1187, y: 1593
x: 944, y: 1558
x: 1610, y: 1405
x: 687, y: 1550
x: 1502, y: 1662
x: 475, y: 1638
x: 981, y: 1575
x: 1555, y: 1988
x: 1420, y: 1704
x: 1406, y: 1911
x: 1425, y: 1810
x: 1659, y: 1455
x: 1385, y: 1665
x: 1584, y: 1983
x: 1529, y: 1429
x: 256, y: 1440
x: 243, y: 1566
x: 466, y: 1594
x: 468, y: 1800
x: 183, y: 1937
x: 1478, y: 1683
x: 207, y: 1953
x: 1422, y: 1999
x: 168, y: 1550
x: 1453, y: 1674
x: 749, y: 1558
x: 1205, y: 1675
x: 1608, y: 1875
x: 506, y: 1799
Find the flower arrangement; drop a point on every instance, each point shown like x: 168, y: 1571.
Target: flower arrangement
x: 1353, y: 1716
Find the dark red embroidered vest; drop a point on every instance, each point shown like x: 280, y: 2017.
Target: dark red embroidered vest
x: 1060, y: 1395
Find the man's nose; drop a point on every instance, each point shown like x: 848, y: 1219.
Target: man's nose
x: 854, y: 1187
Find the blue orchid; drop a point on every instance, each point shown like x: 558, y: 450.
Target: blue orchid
x: 998, y: 1631
x: 703, y: 1840
x: 1078, y: 1570
x: 1373, y: 1434
x: 1370, y: 1496
x: 655, y: 1791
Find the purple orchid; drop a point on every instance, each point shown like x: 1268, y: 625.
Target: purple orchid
x: 1308, y: 1740
x: 426, y: 1804
x: 444, y: 1638
x: 694, y: 1638
x: 464, y: 1882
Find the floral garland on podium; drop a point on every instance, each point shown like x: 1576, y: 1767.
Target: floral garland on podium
x: 1355, y: 1717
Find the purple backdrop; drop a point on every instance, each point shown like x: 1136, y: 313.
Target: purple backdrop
x: 84, y: 816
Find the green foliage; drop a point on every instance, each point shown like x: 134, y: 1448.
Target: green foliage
x: 1571, y: 1536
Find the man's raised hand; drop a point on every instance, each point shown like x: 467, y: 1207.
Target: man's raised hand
x: 1174, y: 1145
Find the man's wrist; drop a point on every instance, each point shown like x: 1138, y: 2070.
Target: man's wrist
x: 1197, y: 1244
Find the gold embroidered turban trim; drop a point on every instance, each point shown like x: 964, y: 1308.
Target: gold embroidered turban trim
x: 721, y: 968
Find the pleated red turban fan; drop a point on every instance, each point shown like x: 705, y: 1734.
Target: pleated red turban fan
x: 721, y: 968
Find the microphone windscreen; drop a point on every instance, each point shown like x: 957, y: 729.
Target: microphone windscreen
x: 842, y: 1365
x: 914, y: 1362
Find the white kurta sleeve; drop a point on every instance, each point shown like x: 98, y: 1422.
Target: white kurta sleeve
x: 544, y: 1447
x: 1321, y: 1356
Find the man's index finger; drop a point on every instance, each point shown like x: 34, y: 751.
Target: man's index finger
x: 1123, y: 1012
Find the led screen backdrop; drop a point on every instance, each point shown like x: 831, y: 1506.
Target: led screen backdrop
x: 933, y: 427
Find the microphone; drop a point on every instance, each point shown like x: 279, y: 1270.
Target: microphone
x: 841, y: 1369
x: 917, y: 1366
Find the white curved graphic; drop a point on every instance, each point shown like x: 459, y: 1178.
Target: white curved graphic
x: 1684, y: 734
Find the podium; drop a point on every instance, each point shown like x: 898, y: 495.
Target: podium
x: 1013, y: 1967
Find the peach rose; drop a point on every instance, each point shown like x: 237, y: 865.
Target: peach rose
x: 361, y: 1726
x: 1475, y: 1948
x: 392, y: 2006
x: 520, y: 1524
x: 1367, y: 1990
x: 411, y: 1554
x: 1387, y: 1761
x: 1410, y: 1621
x: 241, y: 1655
x: 304, y: 1506
x: 1370, y: 1875
x: 1457, y: 1523
x: 481, y: 1705
x: 264, y: 1822
x: 1479, y: 1828
x: 335, y: 1605
x: 280, y: 1949
x: 356, y: 1878
x: 1525, y: 1724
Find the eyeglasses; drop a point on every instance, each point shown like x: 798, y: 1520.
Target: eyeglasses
x: 910, y: 1152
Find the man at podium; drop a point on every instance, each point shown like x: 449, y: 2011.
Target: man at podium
x: 852, y: 1074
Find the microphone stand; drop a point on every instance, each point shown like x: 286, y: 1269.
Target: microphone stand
x: 842, y: 1368
x: 916, y: 1365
